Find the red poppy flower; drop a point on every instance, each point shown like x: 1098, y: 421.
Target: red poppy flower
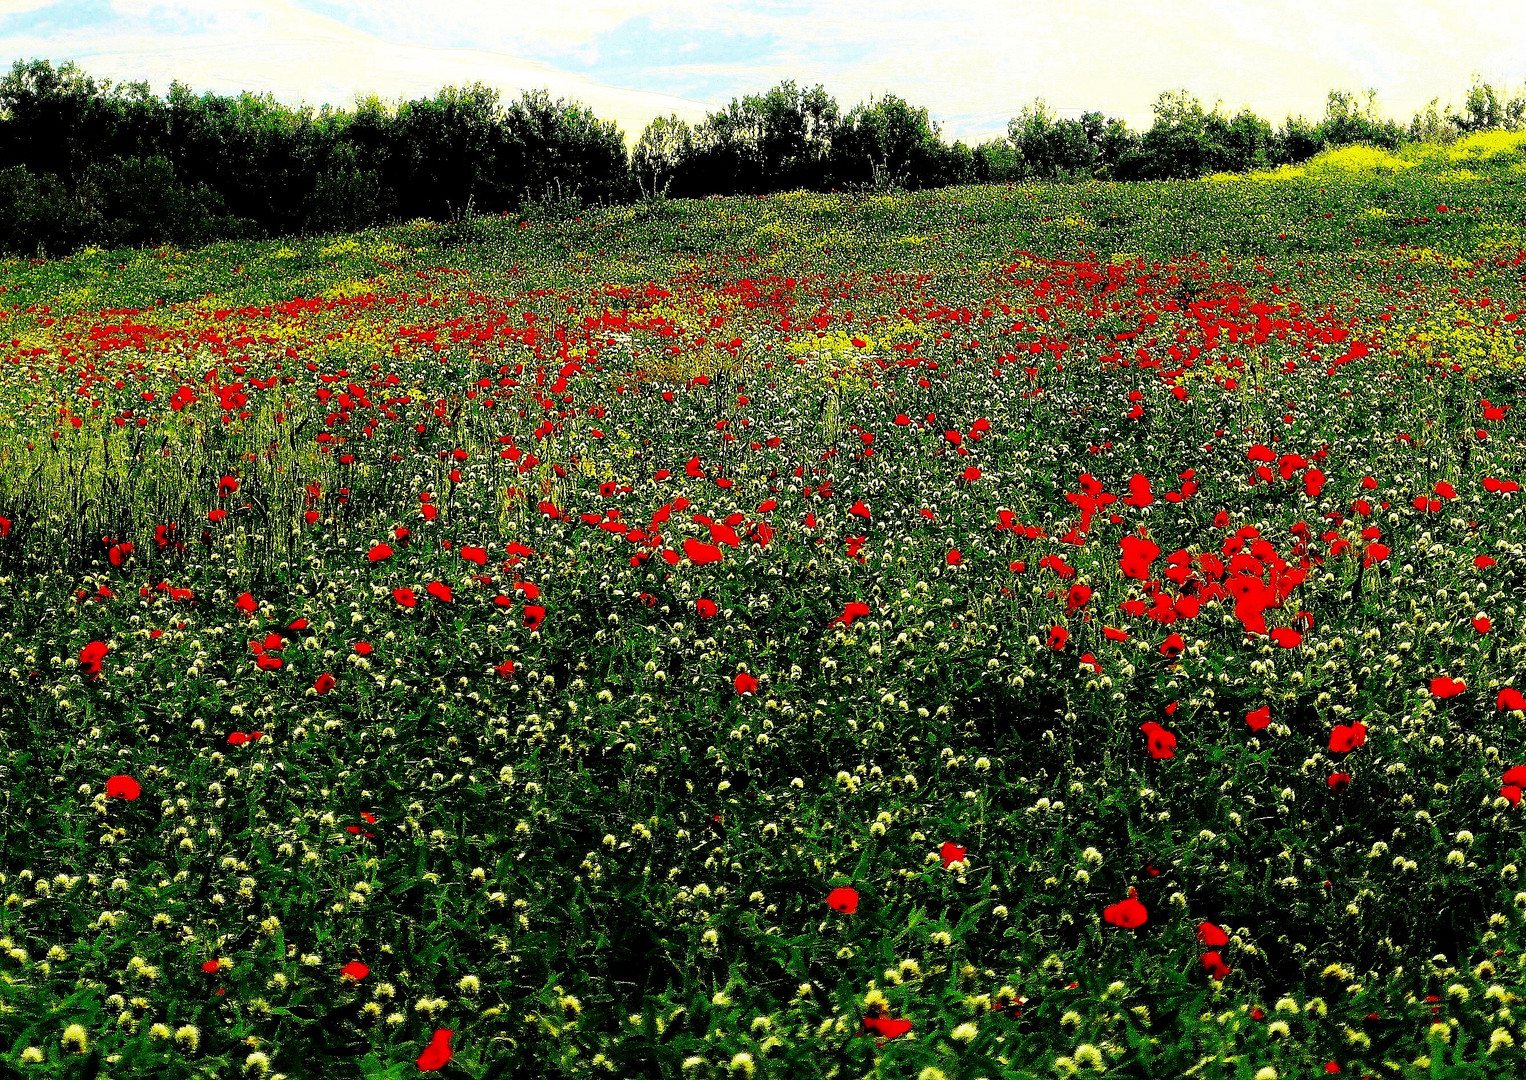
x: 1078, y: 596
x: 238, y: 738
x: 1482, y: 625
x: 854, y: 609
x: 1139, y: 491
x: 123, y: 786
x: 1138, y: 554
x: 951, y: 853
x: 1212, y: 935
x: 1347, y: 737
x: 440, y: 591
x: 701, y: 553
x: 1510, y: 698
x: 438, y: 1053
x: 211, y: 967
x: 1173, y: 646
x: 1286, y: 637
x: 354, y: 970
x: 954, y: 558
x: 843, y: 899
x: 1444, y: 686
x: 246, y: 603
x: 746, y: 684
x: 379, y: 552
x: 364, y: 648
x: 325, y: 683
x: 1058, y: 636
x: 1128, y: 913
x: 534, y: 616
x: 475, y: 554
x: 91, y: 656
x: 405, y: 598
x: 1161, y: 742
x: 1112, y: 633
x: 1214, y: 964
x: 885, y: 1027
x: 1339, y: 781
x: 1511, y: 793
x: 1258, y: 719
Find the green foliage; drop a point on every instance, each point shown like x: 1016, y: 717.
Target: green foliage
x: 111, y: 164
x: 779, y: 140
x: 1056, y: 149
x: 246, y: 164
x: 657, y: 155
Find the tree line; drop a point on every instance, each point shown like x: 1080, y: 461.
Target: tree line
x: 86, y: 161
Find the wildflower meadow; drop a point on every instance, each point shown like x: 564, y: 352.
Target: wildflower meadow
x: 1016, y: 631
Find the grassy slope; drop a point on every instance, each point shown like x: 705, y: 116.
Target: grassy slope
x: 618, y: 932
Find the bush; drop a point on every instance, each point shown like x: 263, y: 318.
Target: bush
x: 36, y: 213
x: 112, y: 164
x: 138, y: 202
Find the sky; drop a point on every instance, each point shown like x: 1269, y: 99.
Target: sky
x: 972, y: 63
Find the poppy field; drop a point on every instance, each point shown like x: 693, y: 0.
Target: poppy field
x: 992, y: 632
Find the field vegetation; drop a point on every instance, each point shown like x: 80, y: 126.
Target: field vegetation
x: 1025, y: 630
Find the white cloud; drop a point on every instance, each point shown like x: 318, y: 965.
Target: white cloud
x: 274, y: 46
x: 977, y: 56
x: 973, y: 63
